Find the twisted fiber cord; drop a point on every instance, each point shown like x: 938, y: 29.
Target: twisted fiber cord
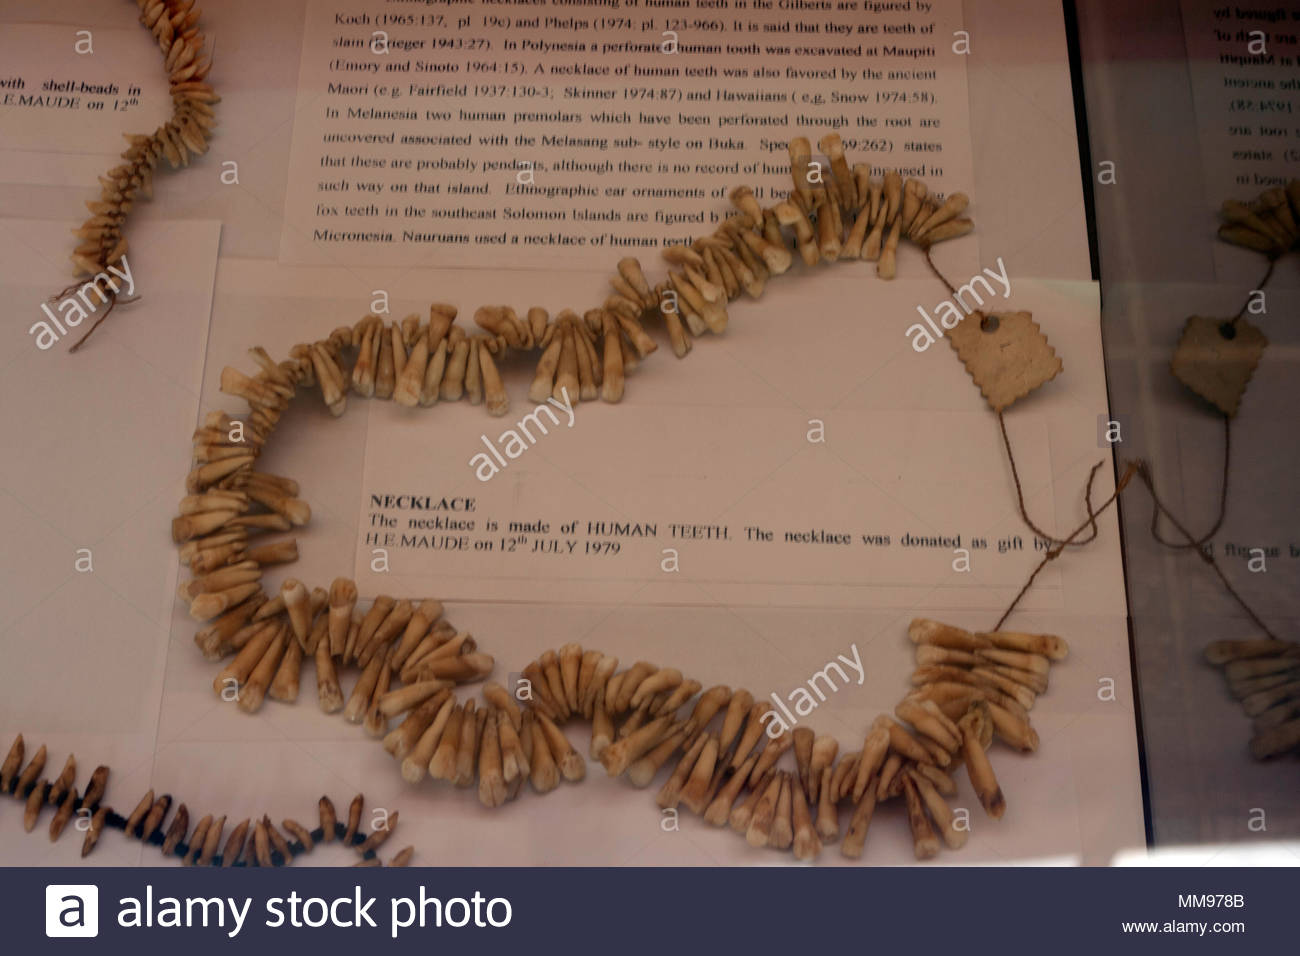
x: 1060, y: 546
x: 1159, y: 506
x: 938, y: 275
x: 1160, y: 509
x: 1015, y: 475
x: 1227, y: 455
x: 108, y: 296
x: 1144, y: 472
x: 112, y: 303
x: 1020, y: 498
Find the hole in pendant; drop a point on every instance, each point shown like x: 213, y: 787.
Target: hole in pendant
x: 1228, y: 330
x: 989, y: 323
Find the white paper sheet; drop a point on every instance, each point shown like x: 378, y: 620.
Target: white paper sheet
x: 95, y: 452
x: 771, y: 466
x: 67, y: 95
x: 1242, y: 65
x: 483, y: 135
x: 1247, y: 97
x: 1078, y: 798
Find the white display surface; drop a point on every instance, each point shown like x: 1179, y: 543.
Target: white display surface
x: 92, y: 476
x: 1078, y: 799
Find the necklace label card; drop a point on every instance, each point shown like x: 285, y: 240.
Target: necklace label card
x: 64, y: 111
x: 1216, y: 366
x: 765, y: 469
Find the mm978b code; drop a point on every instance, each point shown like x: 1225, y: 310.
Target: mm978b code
x: 1211, y: 900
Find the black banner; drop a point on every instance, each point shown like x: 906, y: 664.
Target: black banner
x: 663, y: 911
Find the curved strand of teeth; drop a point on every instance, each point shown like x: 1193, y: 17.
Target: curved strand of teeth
x: 967, y: 689
x: 408, y: 659
x: 174, y: 25
x: 250, y: 843
x: 1264, y: 675
x: 1269, y: 224
x: 852, y: 215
